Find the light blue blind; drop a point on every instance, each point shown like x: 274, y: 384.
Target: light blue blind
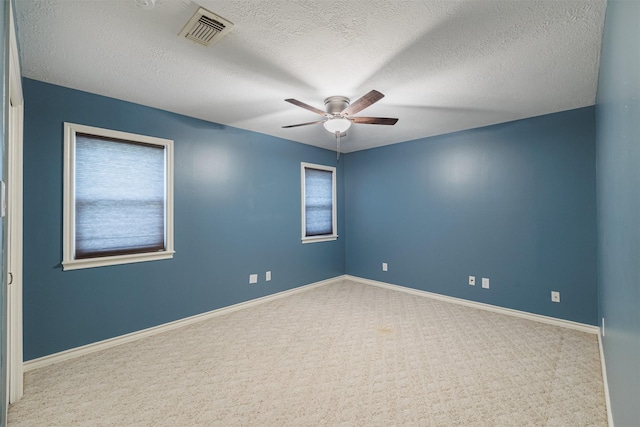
x: 318, y: 202
x: 119, y: 197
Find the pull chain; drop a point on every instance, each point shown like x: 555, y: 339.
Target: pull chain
x: 338, y: 144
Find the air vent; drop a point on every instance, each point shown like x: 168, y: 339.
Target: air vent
x: 206, y: 27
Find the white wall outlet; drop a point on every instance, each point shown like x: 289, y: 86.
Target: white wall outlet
x: 555, y: 296
x: 472, y: 280
x: 485, y: 283
x: 267, y: 276
x: 385, y: 267
x: 603, y: 326
x: 253, y: 278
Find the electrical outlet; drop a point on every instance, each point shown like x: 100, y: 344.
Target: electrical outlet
x: 485, y: 283
x: 385, y: 267
x: 267, y: 276
x: 253, y: 278
x: 472, y: 280
x: 555, y: 296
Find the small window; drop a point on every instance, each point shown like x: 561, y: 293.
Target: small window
x: 118, y: 197
x: 318, y: 203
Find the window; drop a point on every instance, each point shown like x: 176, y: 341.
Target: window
x: 318, y: 203
x: 118, y: 197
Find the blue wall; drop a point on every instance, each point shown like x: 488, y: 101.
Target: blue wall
x: 618, y: 189
x: 513, y: 202
x: 237, y: 212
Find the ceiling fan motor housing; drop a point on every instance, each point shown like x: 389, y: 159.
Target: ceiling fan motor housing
x: 335, y: 104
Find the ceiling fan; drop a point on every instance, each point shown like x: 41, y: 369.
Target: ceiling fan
x: 339, y: 112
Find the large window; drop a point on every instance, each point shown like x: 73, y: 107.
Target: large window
x: 318, y: 203
x: 118, y: 197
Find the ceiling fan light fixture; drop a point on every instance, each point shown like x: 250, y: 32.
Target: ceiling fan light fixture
x: 340, y: 112
x: 337, y: 124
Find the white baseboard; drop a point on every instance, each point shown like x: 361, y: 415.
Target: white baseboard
x: 133, y: 336
x: 607, y: 397
x: 482, y: 306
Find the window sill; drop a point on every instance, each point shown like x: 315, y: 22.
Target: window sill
x: 319, y: 239
x: 78, y: 264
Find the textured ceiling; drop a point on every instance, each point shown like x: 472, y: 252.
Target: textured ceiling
x: 443, y: 65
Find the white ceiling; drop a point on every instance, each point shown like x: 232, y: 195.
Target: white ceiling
x: 443, y: 65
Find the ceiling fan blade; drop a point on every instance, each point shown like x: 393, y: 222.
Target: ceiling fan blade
x: 374, y: 120
x: 304, y: 124
x: 306, y: 106
x: 364, y: 102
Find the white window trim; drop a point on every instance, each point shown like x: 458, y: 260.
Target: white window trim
x: 327, y: 237
x: 68, y: 261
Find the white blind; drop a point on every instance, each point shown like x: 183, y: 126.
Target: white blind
x: 119, y: 197
x: 318, y: 202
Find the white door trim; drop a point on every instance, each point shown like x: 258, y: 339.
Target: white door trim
x: 14, y: 219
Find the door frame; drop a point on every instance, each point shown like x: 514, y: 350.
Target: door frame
x: 14, y: 193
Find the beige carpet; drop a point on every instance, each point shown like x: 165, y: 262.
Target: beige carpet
x: 345, y: 354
